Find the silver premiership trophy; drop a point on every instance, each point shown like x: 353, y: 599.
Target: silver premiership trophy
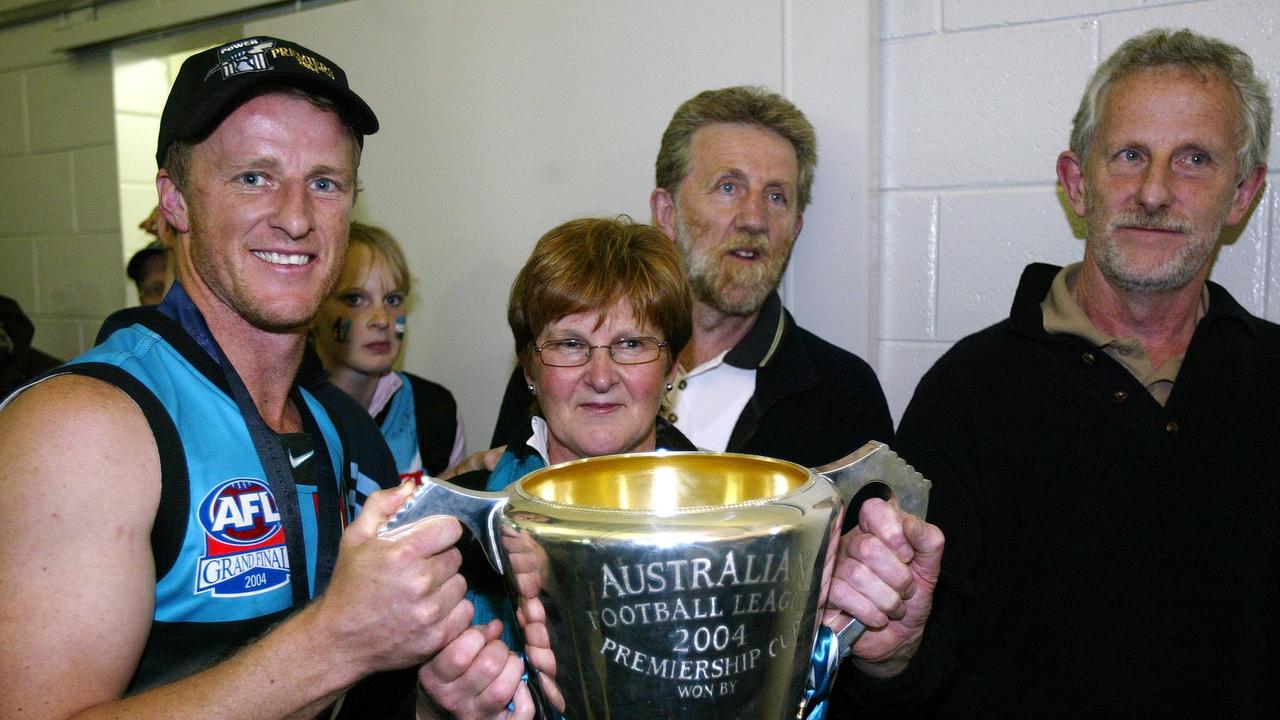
x: 672, y: 584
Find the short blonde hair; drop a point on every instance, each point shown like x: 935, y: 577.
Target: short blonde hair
x: 382, y: 245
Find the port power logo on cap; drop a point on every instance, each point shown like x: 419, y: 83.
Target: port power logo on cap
x: 245, y: 552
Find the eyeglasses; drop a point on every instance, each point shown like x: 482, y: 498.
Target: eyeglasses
x: 572, y: 353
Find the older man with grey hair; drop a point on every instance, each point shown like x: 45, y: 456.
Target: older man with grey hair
x: 1102, y: 460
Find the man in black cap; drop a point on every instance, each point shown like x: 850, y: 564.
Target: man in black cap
x: 175, y: 499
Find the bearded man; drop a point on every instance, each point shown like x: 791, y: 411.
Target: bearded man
x: 733, y: 177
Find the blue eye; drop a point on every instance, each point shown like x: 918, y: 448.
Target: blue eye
x: 324, y: 184
x: 728, y: 188
x: 778, y: 197
x: 252, y: 179
x: 394, y: 300
x: 1129, y: 155
x: 1198, y: 159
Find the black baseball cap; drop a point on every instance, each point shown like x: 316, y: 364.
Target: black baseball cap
x: 213, y: 83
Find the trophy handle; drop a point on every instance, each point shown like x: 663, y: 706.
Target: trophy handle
x: 875, y: 462
x: 476, y: 509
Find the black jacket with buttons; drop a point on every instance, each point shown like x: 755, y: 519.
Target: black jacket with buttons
x: 1105, y: 556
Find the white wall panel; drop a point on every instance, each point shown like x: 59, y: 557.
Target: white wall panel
x: 18, y: 274
x: 71, y: 272
x: 903, y: 18
x: 61, y: 338
x: 96, y: 190
x: 909, y: 265
x: 981, y: 107
x: 69, y: 105
x: 138, y: 132
x: 500, y: 121
x: 985, y: 240
x: 140, y: 85
x: 37, y: 194
x: 13, y: 127
x: 967, y: 14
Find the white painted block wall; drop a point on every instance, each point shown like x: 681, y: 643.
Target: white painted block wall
x: 976, y: 103
x: 59, y: 227
x: 976, y: 98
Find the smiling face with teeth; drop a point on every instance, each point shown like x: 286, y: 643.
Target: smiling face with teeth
x: 735, y: 216
x: 268, y: 208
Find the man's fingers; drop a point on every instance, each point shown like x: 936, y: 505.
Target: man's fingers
x: 884, y: 520
x: 524, y: 703
x: 492, y: 630
x: 379, y: 508
x: 928, y: 541
x: 453, y: 660
x: 428, y: 536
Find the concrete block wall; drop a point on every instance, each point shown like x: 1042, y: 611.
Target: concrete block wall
x: 62, y: 203
x: 141, y: 84
x: 976, y: 103
x: 59, y: 225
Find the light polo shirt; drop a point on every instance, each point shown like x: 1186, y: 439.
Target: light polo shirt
x: 1062, y: 315
x: 706, y: 402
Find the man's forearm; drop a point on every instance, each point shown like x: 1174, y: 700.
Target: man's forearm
x: 294, y: 671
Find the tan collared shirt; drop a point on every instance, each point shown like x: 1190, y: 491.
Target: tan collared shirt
x: 1062, y: 315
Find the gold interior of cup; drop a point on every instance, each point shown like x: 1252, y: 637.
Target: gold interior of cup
x: 665, y: 482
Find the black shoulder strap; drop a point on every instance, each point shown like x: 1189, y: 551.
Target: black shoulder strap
x: 437, y: 416
x: 363, y: 448
x: 170, y: 525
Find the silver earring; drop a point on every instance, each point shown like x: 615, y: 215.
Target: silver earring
x: 531, y: 390
x: 669, y: 387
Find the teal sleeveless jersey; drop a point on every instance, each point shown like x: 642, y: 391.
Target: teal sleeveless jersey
x: 222, y: 569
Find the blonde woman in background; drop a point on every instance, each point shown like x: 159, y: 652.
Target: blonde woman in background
x: 358, y: 334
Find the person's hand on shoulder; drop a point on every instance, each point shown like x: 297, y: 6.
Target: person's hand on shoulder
x: 885, y: 574
x: 480, y: 460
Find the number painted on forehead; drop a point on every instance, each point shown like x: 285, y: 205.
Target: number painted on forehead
x: 399, y: 327
x: 341, y: 329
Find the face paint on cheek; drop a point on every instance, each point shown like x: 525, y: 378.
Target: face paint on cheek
x: 341, y: 329
x: 399, y: 327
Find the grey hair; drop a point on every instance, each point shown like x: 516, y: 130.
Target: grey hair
x: 1182, y: 49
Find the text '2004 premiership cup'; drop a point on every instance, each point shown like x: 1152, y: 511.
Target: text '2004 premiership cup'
x: 673, y: 585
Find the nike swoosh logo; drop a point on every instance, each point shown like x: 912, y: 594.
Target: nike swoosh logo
x: 296, y: 461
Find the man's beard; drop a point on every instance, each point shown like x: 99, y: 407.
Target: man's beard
x: 1173, y: 272
x: 732, y: 287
